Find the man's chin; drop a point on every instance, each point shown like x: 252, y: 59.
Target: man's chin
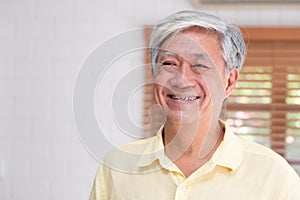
x: 184, y: 117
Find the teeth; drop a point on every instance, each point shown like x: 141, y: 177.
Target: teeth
x: 191, y: 98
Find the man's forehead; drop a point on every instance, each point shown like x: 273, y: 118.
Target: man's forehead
x: 182, y: 40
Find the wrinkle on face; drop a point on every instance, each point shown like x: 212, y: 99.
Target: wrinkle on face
x: 190, y: 64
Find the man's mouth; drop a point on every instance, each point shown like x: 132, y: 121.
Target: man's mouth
x: 183, y: 98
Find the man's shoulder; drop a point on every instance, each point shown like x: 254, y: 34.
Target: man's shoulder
x: 262, y: 155
x: 254, y: 148
x: 268, y: 164
x: 126, y: 157
x: 138, y: 146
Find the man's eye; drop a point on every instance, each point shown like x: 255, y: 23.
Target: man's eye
x: 200, y: 66
x: 168, y: 63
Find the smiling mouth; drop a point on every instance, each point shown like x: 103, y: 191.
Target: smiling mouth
x: 188, y: 98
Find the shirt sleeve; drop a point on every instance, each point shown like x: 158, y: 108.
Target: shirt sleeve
x: 98, y: 191
x: 292, y: 191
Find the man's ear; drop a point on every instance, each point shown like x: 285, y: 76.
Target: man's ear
x: 231, y: 80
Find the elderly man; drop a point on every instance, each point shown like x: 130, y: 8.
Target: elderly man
x: 196, y: 58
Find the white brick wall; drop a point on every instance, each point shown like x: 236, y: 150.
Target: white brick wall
x: 42, y: 45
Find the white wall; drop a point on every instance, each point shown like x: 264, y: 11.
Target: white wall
x: 42, y: 46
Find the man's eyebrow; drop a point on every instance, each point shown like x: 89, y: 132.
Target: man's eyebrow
x: 201, y: 55
x: 167, y: 53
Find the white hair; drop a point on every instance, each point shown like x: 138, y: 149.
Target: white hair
x: 232, y: 42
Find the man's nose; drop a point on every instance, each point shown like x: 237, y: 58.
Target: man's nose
x: 184, y: 77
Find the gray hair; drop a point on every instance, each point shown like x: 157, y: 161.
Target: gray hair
x: 232, y: 42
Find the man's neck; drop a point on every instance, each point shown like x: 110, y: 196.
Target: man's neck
x: 191, y: 142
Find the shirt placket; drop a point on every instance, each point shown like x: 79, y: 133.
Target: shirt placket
x: 181, y: 192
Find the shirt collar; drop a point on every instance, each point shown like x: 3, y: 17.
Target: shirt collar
x: 228, y: 154
x: 155, y: 152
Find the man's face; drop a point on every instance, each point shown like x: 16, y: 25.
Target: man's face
x: 189, y: 80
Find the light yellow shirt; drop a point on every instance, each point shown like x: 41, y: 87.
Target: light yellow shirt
x: 239, y: 169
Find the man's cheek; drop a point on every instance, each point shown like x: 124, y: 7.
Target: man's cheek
x: 215, y: 87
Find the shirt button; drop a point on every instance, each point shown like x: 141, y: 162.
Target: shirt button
x: 181, y: 188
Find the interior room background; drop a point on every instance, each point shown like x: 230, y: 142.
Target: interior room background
x: 43, y: 44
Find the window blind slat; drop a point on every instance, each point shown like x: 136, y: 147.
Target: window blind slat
x: 284, y: 60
